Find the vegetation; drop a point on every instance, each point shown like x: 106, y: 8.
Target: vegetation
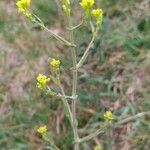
x: 115, y: 77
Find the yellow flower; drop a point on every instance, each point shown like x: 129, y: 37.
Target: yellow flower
x: 98, y: 147
x: 67, y: 2
x: 66, y: 6
x: 86, y: 4
x: 42, y: 130
x: 108, y: 116
x: 98, y: 14
x: 23, y: 6
x: 42, y: 80
x: 55, y: 64
x: 66, y: 9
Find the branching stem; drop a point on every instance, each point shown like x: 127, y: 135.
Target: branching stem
x: 74, y: 86
x: 100, y: 131
x: 38, y: 21
x: 83, y: 58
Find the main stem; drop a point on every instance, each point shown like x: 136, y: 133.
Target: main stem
x: 74, y: 86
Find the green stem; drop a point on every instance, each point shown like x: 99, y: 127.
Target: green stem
x: 50, y: 141
x: 66, y: 104
x: 83, y: 58
x: 75, y: 27
x: 40, y: 23
x: 90, y: 136
x: 63, y: 96
x: 74, y: 86
x: 67, y: 109
x: 139, y: 115
x: 108, y: 135
x: 126, y: 120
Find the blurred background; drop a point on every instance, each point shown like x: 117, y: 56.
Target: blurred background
x: 115, y: 77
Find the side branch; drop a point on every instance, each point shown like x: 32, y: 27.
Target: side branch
x: 40, y: 23
x: 83, y: 58
x: 100, y: 131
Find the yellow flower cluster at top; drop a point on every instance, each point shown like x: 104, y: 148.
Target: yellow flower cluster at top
x: 23, y: 6
x: 98, y: 14
x: 55, y: 64
x: 66, y: 6
x: 86, y: 4
x: 108, y: 116
x: 42, y: 130
x: 42, y: 81
x: 98, y: 147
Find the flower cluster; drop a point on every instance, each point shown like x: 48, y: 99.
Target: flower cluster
x: 108, y: 116
x: 42, y: 130
x: 23, y: 7
x: 42, y: 81
x: 55, y: 64
x: 97, y: 147
x: 66, y: 6
x: 86, y: 4
x: 98, y: 14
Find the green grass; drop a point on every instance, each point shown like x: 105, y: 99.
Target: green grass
x: 118, y: 63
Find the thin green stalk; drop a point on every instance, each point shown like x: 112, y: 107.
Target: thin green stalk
x: 40, y: 23
x: 90, y: 136
x: 67, y: 110
x: 139, y: 115
x: 65, y: 103
x: 126, y: 120
x: 63, y: 96
x: 83, y: 58
x: 74, y: 86
x: 77, y: 26
x: 50, y: 141
x: 108, y: 135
